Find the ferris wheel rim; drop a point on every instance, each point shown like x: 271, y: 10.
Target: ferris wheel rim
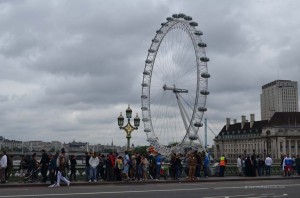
x: 189, y: 27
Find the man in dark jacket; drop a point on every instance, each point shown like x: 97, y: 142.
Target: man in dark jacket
x: 44, y: 163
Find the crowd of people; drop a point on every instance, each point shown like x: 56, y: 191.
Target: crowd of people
x: 135, y: 166
x: 254, y: 165
x: 111, y: 167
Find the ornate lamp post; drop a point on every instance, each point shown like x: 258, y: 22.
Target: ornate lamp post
x: 128, y: 128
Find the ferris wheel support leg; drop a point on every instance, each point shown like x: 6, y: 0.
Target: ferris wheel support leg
x: 181, y: 111
x: 188, y: 118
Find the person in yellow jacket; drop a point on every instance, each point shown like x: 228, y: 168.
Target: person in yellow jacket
x: 222, y: 163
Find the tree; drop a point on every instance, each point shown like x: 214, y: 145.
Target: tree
x: 141, y: 150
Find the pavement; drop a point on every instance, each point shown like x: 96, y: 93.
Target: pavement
x: 182, y: 180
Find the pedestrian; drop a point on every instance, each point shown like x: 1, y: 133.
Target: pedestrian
x: 139, y: 170
x: 9, y: 168
x: 268, y: 164
x: 52, y: 169
x: 255, y: 166
x: 248, y: 167
x: 73, y: 164
x: 198, y: 165
x: 100, y: 168
x: 260, y: 166
x: 23, y: 167
x: 110, y: 163
x: 3, y: 165
x: 94, y: 162
x: 192, y: 166
x: 133, y: 167
x: 223, y: 162
x: 158, y: 165
x: 87, y: 166
x: 61, y: 172
x: 144, y: 167
x: 172, y: 165
x: 126, y: 165
x: 44, y: 162
x: 297, y: 163
x: 33, y: 167
x: 152, y: 166
x: 119, y: 165
x: 239, y: 166
x: 287, y: 165
x: 206, y: 165
x: 66, y: 163
x: 178, y: 167
x: 281, y: 164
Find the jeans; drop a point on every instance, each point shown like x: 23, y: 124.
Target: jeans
x: 93, y: 171
x: 206, y: 170
x: 158, y: 167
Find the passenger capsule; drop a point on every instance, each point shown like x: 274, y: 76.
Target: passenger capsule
x: 205, y: 75
x: 204, y: 92
x: 155, y: 40
x: 144, y: 85
x: 170, y: 19
x: 146, y: 73
x: 148, y: 61
x: 198, y: 33
x: 188, y: 18
x: 175, y: 16
x: 202, y: 45
x: 202, y: 109
x: 144, y: 96
x: 198, y: 124
x: 145, y: 119
x: 194, y: 24
x: 151, y: 50
x: 144, y: 108
x: 181, y: 15
x: 204, y: 59
x: 159, y: 32
x: 193, y: 137
x: 147, y: 130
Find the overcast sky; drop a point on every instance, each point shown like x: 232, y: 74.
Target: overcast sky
x: 68, y: 68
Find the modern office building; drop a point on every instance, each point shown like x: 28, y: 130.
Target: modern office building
x: 278, y: 96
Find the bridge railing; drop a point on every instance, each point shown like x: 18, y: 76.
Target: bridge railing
x: 231, y: 170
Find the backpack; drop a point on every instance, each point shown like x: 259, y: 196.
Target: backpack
x: 120, y: 164
x: 261, y: 163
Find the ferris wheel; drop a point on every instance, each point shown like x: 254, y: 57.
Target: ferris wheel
x: 175, y: 85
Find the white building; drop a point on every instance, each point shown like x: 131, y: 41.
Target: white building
x: 278, y: 96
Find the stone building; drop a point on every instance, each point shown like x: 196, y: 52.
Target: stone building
x: 277, y: 136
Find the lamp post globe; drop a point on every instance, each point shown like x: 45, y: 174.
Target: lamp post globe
x: 136, y: 121
x: 128, y: 112
x: 120, y: 120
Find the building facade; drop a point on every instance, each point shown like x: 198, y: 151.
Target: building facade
x: 278, y: 96
x: 274, y: 137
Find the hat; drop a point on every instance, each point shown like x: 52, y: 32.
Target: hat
x: 133, y: 157
x: 63, y: 150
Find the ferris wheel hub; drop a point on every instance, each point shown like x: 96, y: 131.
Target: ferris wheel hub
x: 174, y: 89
